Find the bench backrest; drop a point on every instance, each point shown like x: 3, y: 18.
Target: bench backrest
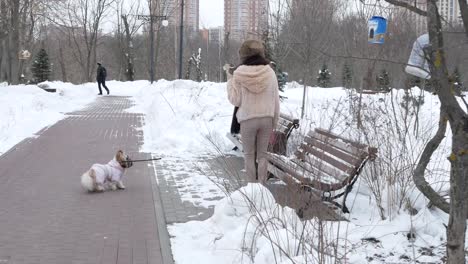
x: 286, y: 124
x: 333, y: 161
x: 281, y: 134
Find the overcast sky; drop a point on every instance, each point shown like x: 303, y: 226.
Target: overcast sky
x: 211, y: 13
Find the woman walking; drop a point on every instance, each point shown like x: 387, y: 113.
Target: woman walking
x: 254, y: 89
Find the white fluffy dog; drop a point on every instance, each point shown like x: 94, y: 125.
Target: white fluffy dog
x: 106, y: 176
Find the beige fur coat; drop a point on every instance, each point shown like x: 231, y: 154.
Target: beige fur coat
x: 254, y: 89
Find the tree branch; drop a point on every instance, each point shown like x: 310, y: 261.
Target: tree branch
x: 418, y: 175
x: 408, y: 6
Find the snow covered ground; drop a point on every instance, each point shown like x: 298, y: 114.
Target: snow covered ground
x: 187, y: 121
x: 26, y: 109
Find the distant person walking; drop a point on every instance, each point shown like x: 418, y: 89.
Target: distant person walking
x: 101, y: 78
x: 253, y: 88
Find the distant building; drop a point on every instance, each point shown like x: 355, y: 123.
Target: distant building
x: 216, y: 35
x: 448, y: 9
x: 245, y: 19
x: 172, y: 9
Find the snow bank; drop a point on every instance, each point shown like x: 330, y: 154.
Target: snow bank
x: 184, y: 117
x: 249, y: 227
x: 240, y: 231
x: 26, y: 109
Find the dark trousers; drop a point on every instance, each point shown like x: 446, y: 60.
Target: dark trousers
x: 235, y: 126
x: 103, y: 82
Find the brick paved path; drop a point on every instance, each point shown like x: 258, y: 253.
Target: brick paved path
x: 45, y: 215
x: 170, y: 174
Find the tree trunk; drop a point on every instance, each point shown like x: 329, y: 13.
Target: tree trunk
x: 62, y: 63
x: 226, y: 53
x: 3, y: 37
x: 423, y: 186
x: 13, y: 43
x: 129, y: 71
x: 458, y: 121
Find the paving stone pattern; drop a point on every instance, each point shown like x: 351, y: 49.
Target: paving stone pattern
x: 178, y: 211
x: 46, y: 217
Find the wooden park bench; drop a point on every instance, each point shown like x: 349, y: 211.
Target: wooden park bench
x: 325, y: 165
x: 282, y: 132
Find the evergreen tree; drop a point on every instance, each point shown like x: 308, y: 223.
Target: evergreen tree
x: 383, y: 81
x: 347, y: 78
x: 323, y: 78
x: 41, y: 66
x: 195, y: 60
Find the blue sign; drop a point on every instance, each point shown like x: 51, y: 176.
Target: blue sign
x: 377, y: 28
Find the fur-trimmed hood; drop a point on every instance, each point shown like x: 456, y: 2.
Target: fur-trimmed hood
x: 254, y: 89
x: 253, y: 78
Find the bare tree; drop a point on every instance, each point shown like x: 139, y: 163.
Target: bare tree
x: 130, y: 28
x: 452, y: 112
x: 82, y: 20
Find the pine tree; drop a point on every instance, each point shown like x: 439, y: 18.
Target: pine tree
x: 323, y: 78
x: 347, y: 78
x: 41, y: 66
x: 195, y: 60
x: 383, y: 81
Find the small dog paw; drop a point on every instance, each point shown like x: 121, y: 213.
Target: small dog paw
x: 113, y: 187
x: 120, y: 185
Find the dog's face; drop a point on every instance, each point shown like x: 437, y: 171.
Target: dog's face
x: 124, y: 160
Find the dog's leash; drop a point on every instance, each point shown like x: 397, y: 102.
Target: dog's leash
x: 142, y: 160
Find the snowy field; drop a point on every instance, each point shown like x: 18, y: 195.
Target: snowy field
x: 187, y: 121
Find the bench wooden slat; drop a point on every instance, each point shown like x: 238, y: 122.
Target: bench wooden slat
x: 335, y: 143
x: 314, y: 169
x: 342, y: 155
x: 291, y: 119
x: 325, y: 157
x: 335, y: 136
x: 319, y: 166
x: 320, y: 171
x: 284, y: 125
x: 303, y: 176
x: 369, y: 151
x: 282, y: 175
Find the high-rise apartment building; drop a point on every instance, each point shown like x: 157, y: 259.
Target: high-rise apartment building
x: 245, y: 19
x: 216, y: 35
x: 448, y: 9
x: 172, y: 9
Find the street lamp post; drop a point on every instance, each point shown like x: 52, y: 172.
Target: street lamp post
x: 151, y: 49
x: 181, y: 38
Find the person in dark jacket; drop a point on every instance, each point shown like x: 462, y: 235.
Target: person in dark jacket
x: 101, y: 78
